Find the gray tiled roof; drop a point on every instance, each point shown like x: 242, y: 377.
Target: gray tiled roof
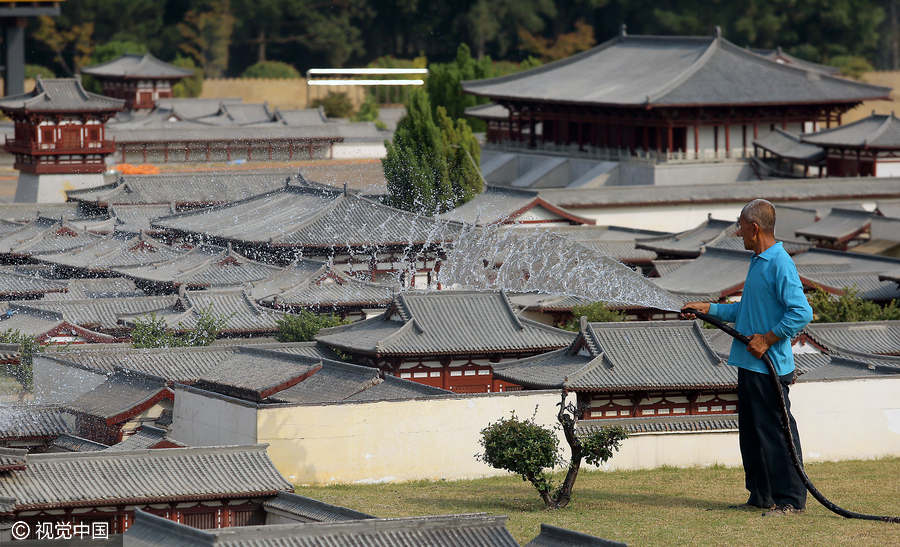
x: 887, y: 229
x: 829, y: 261
x: 255, y: 374
x: 735, y: 243
x: 891, y: 275
x: 672, y: 71
x: 142, y: 476
x: 325, y: 288
x: 881, y: 337
x: 137, y: 66
x: 136, y: 217
x: 305, y: 509
x: 203, y: 267
x: 489, y: 111
x: 117, y: 250
x: 664, y: 424
x: 98, y: 313
x: 239, y: 114
x: 848, y: 366
x: 301, y: 117
x: 44, y: 236
x: 193, y: 107
x: 786, y: 145
x: 780, y: 190
x: 145, y: 437
x: 184, y: 365
x: 890, y: 209
x: 28, y: 421
x: 308, y: 216
x: 16, y: 284
x: 872, y: 132
x: 99, y: 287
x: 12, y: 459
x: 614, y: 241
x: 838, y: 225
x: 184, y: 188
x: 616, y: 356
x: 867, y: 284
x: 689, y: 243
x: 60, y: 95
x: 240, y: 135
x: 497, y: 204
x: 241, y: 314
x: 548, y: 303
x: 119, y: 394
x: 437, y: 531
x: 444, y: 323
x: 392, y: 388
x: 717, y: 272
x: 25, y: 212
x: 71, y: 443
x: 553, y: 536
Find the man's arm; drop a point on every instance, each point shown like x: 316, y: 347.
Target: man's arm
x: 725, y: 312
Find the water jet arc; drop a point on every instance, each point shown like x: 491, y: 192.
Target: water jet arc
x: 786, y: 429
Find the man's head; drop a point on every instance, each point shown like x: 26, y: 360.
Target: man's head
x: 757, y: 223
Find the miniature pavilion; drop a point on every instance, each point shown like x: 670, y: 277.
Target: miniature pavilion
x: 140, y: 80
x: 664, y: 97
x: 60, y: 138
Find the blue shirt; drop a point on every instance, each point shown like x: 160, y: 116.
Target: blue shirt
x: 772, y: 300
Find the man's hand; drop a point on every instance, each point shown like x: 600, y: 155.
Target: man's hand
x: 702, y: 307
x: 760, y: 344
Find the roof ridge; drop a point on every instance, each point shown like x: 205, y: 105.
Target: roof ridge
x: 704, y: 342
x: 599, y: 360
x: 509, y: 309
x: 157, y: 453
x: 881, y: 129
x: 699, y: 63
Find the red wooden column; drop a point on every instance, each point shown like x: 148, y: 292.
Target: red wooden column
x: 658, y: 140
x: 644, y: 137
x: 716, y: 140
x: 696, y: 140
x: 755, y: 130
x: 668, y: 139
x: 744, y: 138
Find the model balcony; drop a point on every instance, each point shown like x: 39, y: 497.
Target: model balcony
x: 32, y: 148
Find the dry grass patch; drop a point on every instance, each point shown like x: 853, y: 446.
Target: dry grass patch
x: 659, y: 507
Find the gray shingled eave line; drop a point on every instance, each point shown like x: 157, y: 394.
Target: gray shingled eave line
x: 280, y: 501
x: 509, y: 371
x: 151, y: 395
x: 471, y: 86
x: 138, y: 500
x: 818, y: 137
x: 813, y: 151
x: 93, y: 69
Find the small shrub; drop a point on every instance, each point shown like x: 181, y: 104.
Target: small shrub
x: 595, y: 312
x: 271, y: 69
x: 191, y: 86
x: 152, y: 332
x: 33, y: 71
x: 368, y: 111
x: 303, y: 326
x: 28, y: 346
x: 829, y: 308
x: 336, y: 105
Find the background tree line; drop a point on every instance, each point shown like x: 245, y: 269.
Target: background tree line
x: 227, y: 37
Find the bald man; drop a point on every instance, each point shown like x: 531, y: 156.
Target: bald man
x: 772, y: 310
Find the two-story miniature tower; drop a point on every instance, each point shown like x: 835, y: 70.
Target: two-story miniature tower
x: 60, y: 138
x: 139, y: 79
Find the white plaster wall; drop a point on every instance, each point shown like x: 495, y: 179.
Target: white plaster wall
x: 670, y: 218
x: 358, y: 150
x: 198, y: 420
x: 887, y: 168
x: 56, y: 383
x: 52, y: 188
x: 433, y: 438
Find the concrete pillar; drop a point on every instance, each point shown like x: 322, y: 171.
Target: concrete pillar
x: 14, y: 36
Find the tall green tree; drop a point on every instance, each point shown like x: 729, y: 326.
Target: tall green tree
x: 443, y: 83
x: 432, y: 164
x: 206, y: 36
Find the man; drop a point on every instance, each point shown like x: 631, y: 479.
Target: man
x: 772, y: 310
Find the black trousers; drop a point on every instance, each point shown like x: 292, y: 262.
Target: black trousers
x: 768, y: 471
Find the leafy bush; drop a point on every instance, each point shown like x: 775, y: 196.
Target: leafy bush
x: 152, y: 332
x: 852, y: 66
x: 303, y: 326
x: 336, y: 105
x: 368, y: 111
x: 531, y: 450
x: 829, y: 308
x: 595, y: 312
x: 271, y: 69
x: 28, y: 346
x: 33, y: 71
x: 191, y: 86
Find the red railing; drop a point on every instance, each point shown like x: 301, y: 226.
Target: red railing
x: 40, y: 149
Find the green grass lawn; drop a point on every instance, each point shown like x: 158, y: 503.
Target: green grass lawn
x: 658, y: 507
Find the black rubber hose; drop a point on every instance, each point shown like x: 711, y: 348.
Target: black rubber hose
x: 786, y: 427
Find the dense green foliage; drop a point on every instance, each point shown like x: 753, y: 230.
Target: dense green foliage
x: 33, y: 71
x: 271, y: 69
x: 531, y: 451
x: 303, y: 326
x: 828, y: 308
x: 432, y: 164
x: 595, y: 312
x: 336, y: 105
x: 228, y: 36
x: 191, y: 86
x: 151, y: 332
x: 28, y: 346
x: 368, y: 110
